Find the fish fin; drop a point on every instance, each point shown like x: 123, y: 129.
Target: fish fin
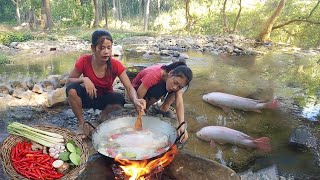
x: 259, y: 101
x: 212, y: 144
x: 226, y: 109
x: 263, y: 144
x: 272, y: 104
x: 257, y: 110
x: 221, y: 143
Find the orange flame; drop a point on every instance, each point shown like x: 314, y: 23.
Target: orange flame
x: 136, y: 170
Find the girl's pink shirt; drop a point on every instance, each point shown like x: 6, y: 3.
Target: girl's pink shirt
x: 149, y: 77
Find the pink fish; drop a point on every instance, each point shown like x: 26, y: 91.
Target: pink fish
x: 227, y: 101
x: 222, y: 135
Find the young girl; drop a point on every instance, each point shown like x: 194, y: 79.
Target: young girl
x: 94, y: 89
x: 156, y: 81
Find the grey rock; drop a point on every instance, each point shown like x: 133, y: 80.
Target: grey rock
x: 302, y: 139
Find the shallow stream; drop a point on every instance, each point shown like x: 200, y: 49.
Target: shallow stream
x: 293, y: 80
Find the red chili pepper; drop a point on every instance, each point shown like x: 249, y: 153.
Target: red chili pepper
x: 55, y: 176
x: 17, y: 148
x: 45, y: 160
x: 31, y: 174
x: 44, y: 166
x: 35, y: 154
x: 38, y: 172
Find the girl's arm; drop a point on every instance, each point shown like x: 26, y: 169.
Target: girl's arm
x: 142, y: 91
x: 180, y: 114
x: 74, y: 77
x: 179, y: 106
x: 139, y: 103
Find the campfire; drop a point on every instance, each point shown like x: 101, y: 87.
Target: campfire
x: 141, y: 170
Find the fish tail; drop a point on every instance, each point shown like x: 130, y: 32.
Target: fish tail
x: 263, y: 144
x: 272, y: 104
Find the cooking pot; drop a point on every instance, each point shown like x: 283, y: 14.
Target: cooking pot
x: 150, y: 123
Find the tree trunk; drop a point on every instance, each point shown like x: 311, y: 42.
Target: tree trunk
x: 120, y: 11
x: 188, y: 18
x: 265, y: 32
x: 17, y: 12
x: 46, y: 14
x: 306, y: 19
x: 114, y: 9
x: 96, y: 13
x: 237, y: 18
x: 105, y: 5
x: 158, y: 7
x: 146, y: 14
x: 224, y: 16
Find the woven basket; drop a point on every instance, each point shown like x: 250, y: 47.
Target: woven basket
x: 11, y: 140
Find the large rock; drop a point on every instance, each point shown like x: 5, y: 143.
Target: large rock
x: 185, y: 166
x: 117, y: 50
x: 5, y: 89
x: 302, y: 139
x: 188, y: 166
x: 269, y: 173
x: 57, y: 97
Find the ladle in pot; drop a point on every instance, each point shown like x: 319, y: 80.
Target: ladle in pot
x: 138, y: 123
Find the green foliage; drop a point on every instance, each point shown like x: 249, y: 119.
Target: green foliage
x: 7, y: 11
x: 169, y: 17
x: 72, y: 14
x: 4, y: 59
x: 7, y: 38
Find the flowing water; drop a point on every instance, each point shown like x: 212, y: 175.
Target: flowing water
x: 294, y: 80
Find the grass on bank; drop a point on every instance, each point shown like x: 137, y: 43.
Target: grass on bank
x: 9, y: 35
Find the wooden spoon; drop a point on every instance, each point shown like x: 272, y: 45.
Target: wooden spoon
x: 138, y: 123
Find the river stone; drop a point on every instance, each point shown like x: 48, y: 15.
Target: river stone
x: 302, y: 139
x: 269, y: 173
x: 183, y: 56
x: 117, y: 50
x: 22, y: 94
x: 37, y: 88
x: 5, y: 89
x: 14, y: 44
x: 29, y: 83
x: 188, y: 166
x: 57, y: 97
x: 18, y: 85
x: 184, y: 166
x: 50, y: 84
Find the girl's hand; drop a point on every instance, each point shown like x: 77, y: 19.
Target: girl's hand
x: 90, y: 88
x: 140, y: 104
x: 184, y: 137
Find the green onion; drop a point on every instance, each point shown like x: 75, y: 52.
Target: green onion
x: 38, y: 130
x: 45, y: 138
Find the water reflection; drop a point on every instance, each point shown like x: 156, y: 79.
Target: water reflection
x: 311, y: 109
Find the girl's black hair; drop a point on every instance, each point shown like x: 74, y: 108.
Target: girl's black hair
x: 98, y: 37
x: 179, y: 69
x: 183, y: 72
x: 97, y: 34
x: 171, y: 66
